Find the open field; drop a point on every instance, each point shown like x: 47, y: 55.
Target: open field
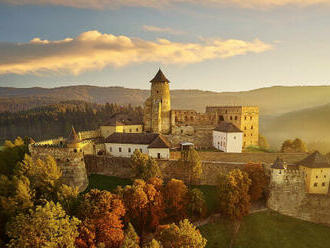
x: 269, y: 230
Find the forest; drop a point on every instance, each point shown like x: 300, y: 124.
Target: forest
x: 56, y: 120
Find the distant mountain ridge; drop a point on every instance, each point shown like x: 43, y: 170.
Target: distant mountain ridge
x: 272, y: 101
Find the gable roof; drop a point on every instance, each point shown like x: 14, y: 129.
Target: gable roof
x: 153, y: 140
x: 315, y: 160
x: 278, y: 164
x: 159, y: 78
x: 227, y: 127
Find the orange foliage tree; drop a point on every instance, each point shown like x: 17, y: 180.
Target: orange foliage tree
x: 144, y: 203
x: 176, y: 198
x: 101, y: 213
x: 259, y: 180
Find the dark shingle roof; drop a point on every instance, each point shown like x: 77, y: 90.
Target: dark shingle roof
x: 227, y: 127
x: 278, y: 164
x: 121, y: 119
x: 159, y: 78
x: 73, y: 137
x: 315, y: 160
x: 154, y: 140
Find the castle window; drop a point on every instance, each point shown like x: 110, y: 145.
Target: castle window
x: 323, y: 184
x: 250, y: 117
x: 80, y: 150
x: 231, y: 118
x: 245, y: 118
x: 129, y: 149
x: 110, y: 149
x: 315, y: 184
x: 130, y: 130
x: 251, y: 127
x: 235, y: 118
x: 325, y: 176
x: 137, y: 129
x: 251, y: 134
x: 157, y: 91
x: 158, y: 155
x: 181, y: 131
x: 244, y: 128
x: 119, y: 149
x: 75, y: 150
x: 67, y: 160
x: 140, y: 149
x: 245, y: 135
x: 317, y: 176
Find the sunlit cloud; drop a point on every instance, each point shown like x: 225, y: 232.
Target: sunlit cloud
x: 167, y: 30
x: 93, y: 50
x: 110, y: 4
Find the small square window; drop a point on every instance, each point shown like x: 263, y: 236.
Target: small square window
x: 119, y: 149
x: 323, y: 184
x: 129, y: 150
x: 315, y: 184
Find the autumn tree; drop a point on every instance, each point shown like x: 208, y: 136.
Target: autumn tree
x: 67, y: 196
x: 11, y: 154
x: 144, y: 166
x: 43, y: 174
x: 153, y: 244
x: 131, y: 239
x: 176, y: 198
x: 46, y: 226
x: 296, y: 145
x: 144, y: 203
x: 183, y: 235
x: 259, y: 180
x: 197, y: 205
x: 101, y: 213
x: 233, y: 192
x: 192, y: 164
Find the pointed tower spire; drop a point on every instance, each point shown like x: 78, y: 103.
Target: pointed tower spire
x: 159, y: 78
x: 73, y: 137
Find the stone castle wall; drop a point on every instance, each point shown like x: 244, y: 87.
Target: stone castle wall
x: 71, y: 162
x: 90, y: 134
x: 120, y: 167
x: 288, y: 197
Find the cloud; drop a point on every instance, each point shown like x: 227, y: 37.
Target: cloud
x: 93, y: 50
x: 110, y: 4
x: 156, y: 29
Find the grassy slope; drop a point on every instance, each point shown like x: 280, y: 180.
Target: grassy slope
x: 106, y: 182
x: 269, y: 230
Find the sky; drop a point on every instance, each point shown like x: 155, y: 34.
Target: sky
x: 219, y: 45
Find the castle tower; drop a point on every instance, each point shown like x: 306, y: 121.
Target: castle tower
x: 157, y: 108
x: 73, y: 140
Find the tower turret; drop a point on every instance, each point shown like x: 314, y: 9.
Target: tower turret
x: 157, y: 112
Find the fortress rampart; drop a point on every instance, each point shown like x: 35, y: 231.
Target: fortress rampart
x: 70, y: 160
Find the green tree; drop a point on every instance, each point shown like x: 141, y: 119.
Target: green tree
x: 286, y: 146
x: 183, y: 235
x: 131, y: 239
x: 197, y: 205
x: 233, y: 191
x: 68, y: 197
x: 192, y: 164
x: 144, y: 166
x: 46, y: 226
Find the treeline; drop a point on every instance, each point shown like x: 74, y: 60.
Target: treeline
x: 57, y: 119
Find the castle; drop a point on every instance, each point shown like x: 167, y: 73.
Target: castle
x: 160, y: 118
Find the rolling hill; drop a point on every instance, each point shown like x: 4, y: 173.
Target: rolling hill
x: 311, y: 124
x: 272, y: 101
